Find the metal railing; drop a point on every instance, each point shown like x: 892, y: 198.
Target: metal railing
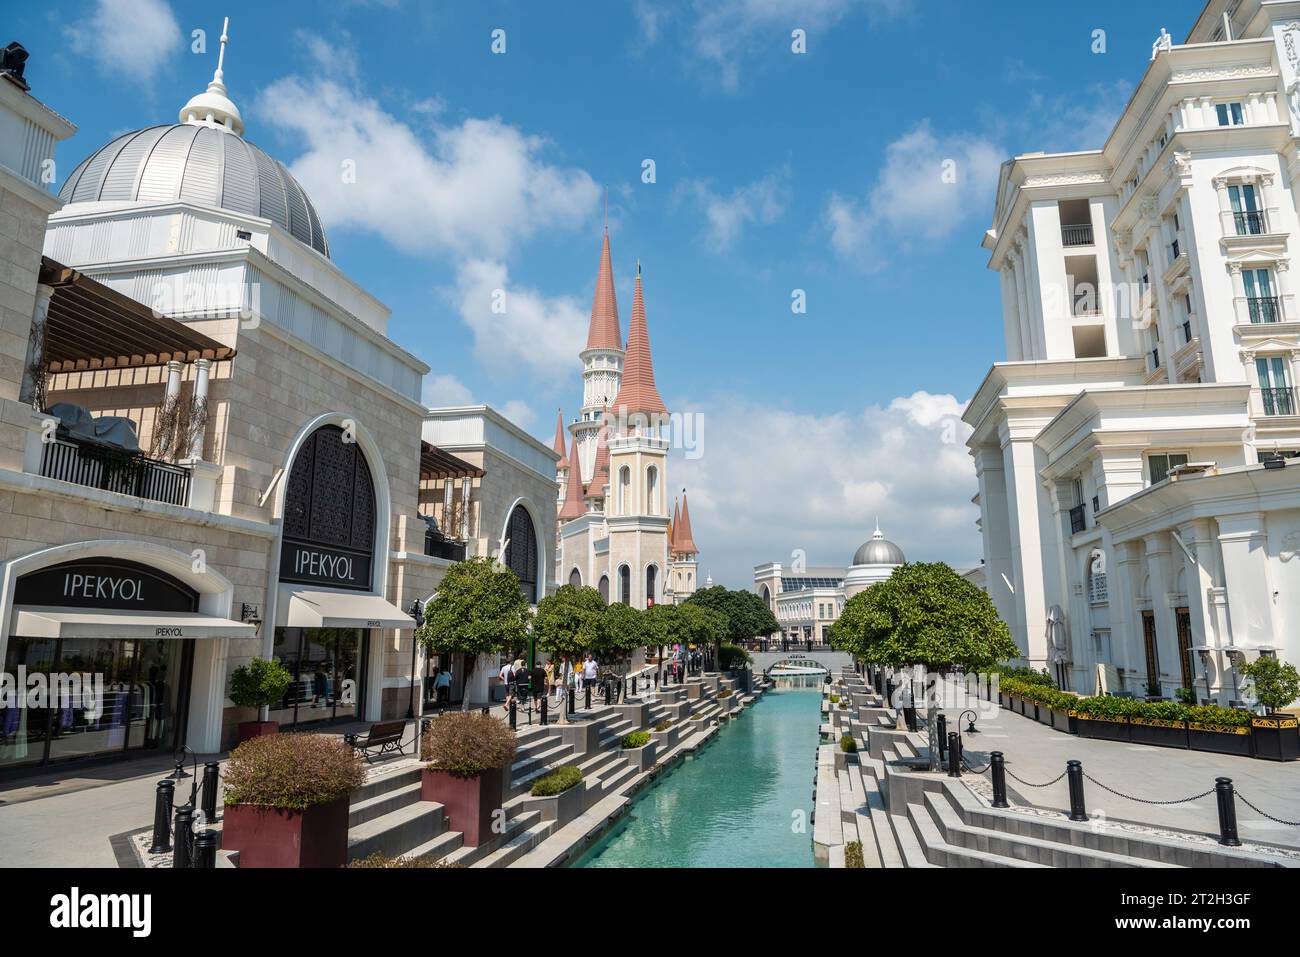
x: 1263, y: 309
x: 438, y: 546
x: 116, y: 470
x: 1187, y: 331
x: 1279, y: 401
x: 1175, y: 251
x: 1078, y: 520
x: 1249, y: 223
x: 1155, y: 359
x: 1079, y: 234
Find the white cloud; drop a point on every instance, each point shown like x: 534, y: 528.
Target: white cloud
x: 477, y: 188
x: 762, y: 202
x: 441, y: 391
x: 928, y: 187
x: 822, y: 481
x: 128, y: 37
x: 519, y: 412
x: 517, y: 328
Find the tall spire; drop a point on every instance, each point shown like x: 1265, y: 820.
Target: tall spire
x: 685, y: 544
x: 600, y: 468
x: 673, y: 526
x: 636, y: 390
x: 213, y: 107
x: 604, y: 331
x: 573, y: 507
x: 559, y: 445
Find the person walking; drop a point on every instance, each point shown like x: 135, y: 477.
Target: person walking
x: 560, y: 679
x: 442, y: 687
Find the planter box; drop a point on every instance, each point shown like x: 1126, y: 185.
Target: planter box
x: 1062, y: 721
x: 469, y: 803
x: 255, y: 729
x: 279, y: 837
x: 1043, y: 714
x: 1276, y: 737
x: 667, y: 740
x: 1004, y: 700
x: 563, y: 807
x: 1202, y: 737
x: 1164, y: 734
x: 1104, y: 730
x: 642, y: 759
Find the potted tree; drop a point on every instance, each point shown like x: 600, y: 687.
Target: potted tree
x: 258, y: 684
x: 286, y: 800
x: 1276, y: 736
x: 467, y: 755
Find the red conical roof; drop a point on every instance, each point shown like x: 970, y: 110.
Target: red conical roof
x: 672, y: 527
x: 604, y: 331
x: 573, y: 507
x: 559, y: 445
x: 685, y: 545
x: 636, y: 390
x: 600, y: 470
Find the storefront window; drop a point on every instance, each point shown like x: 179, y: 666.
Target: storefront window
x: 326, y: 668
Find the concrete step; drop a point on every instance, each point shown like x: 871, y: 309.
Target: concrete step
x: 438, y: 847
x: 553, y: 752
x: 940, y: 853
x: 618, y: 776
x: 468, y: 856
x: 398, y: 831
x: 533, y: 831
x: 383, y: 783
x: 905, y: 838
x: 359, y: 812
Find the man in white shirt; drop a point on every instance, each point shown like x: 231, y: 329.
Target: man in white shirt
x: 589, y: 670
x: 507, y: 679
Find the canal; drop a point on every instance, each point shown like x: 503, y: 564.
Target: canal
x: 743, y: 800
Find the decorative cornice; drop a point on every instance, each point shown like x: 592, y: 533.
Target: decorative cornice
x: 1080, y: 178
x: 1236, y: 72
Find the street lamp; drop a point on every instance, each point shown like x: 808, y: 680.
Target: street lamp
x: 416, y: 612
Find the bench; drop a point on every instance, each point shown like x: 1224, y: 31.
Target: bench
x: 386, y: 736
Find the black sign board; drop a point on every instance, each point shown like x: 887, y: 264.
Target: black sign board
x: 318, y: 565
x: 105, y: 583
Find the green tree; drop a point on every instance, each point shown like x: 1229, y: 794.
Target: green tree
x: 477, y: 610
x: 666, y: 626
x: 625, y: 630
x: 924, y: 614
x: 571, y: 621
x: 704, y: 625
x: 746, y: 614
x: 1277, y: 683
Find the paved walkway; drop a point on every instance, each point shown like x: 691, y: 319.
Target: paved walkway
x: 1038, y: 754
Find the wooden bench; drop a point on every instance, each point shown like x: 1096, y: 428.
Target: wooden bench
x: 386, y: 736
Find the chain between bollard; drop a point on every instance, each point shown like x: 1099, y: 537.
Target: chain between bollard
x: 1275, y: 820
x: 1017, y: 777
x: 1130, y: 797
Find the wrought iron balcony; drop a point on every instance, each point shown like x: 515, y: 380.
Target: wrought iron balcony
x: 1078, y: 520
x: 1249, y: 223
x: 116, y: 470
x: 1279, y: 401
x: 438, y: 546
x: 1076, y: 234
x: 1263, y: 309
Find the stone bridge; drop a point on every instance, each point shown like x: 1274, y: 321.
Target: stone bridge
x: 832, y: 661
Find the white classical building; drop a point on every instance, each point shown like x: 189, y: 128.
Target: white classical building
x: 1139, y: 493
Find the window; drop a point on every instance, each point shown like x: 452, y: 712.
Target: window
x: 1247, y: 217
x: 1097, y: 592
x: 651, y: 490
x: 1274, y: 387
x: 651, y: 578
x: 1159, y: 464
x: 1101, y: 645
x: 624, y: 490
x: 575, y: 578
x: 1261, y: 303
x: 521, y: 551
x: 625, y: 585
x: 1229, y: 114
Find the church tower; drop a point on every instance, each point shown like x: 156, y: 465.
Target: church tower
x: 682, y: 552
x: 602, y: 369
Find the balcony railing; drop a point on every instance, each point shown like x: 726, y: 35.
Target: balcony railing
x: 1155, y: 359
x: 1263, y: 309
x: 1249, y: 223
x: 116, y: 470
x: 1078, y: 520
x: 1076, y: 235
x: 1279, y: 401
x: 436, y: 546
x: 1187, y: 331
x: 1175, y: 250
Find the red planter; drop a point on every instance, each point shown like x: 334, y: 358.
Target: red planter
x: 255, y: 729
x: 279, y: 837
x: 469, y: 803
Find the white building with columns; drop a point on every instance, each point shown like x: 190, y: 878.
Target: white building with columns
x: 1139, y: 490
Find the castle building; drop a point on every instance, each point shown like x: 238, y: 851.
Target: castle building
x: 615, y: 531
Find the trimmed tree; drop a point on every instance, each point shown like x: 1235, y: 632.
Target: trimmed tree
x: 477, y: 610
x: 625, y: 630
x: 705, y: 626
x: 665, y: 625
x: 571, y: 621
x: 746, y: 615
x: 924, y: 614
x: 1276, y: 683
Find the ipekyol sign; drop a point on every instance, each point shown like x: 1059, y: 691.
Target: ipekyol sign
x: 318, y: 565
x: 106, y: 584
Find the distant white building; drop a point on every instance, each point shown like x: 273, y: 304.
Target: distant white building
x: 1138, y: 486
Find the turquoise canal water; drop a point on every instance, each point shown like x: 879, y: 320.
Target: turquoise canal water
x: 734, y: 803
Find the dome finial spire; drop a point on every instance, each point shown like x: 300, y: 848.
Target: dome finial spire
x: 218, y: 75
x: 213, y: 107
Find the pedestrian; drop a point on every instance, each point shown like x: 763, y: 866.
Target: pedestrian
x: 507, y: 678
x: 442, y: 686
x: 550, y: 678
x: 590, y: 671
x: 561, y: 678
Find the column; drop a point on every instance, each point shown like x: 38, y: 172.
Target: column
x: 1242, y: 542
x: 1160, y: 574
x: 1239, y: 308
x: 1227, y: 227
x: 1011, y: 314
x: 1198, y: 538
x: 33, y: 391
x: 202, y: 368
x: 1268, y: 199
x: 1283, y: 269
x: 1208, y: 117
x: 1027, y: 546
x: 1123, y: 577
x: 465, y: 485
x: 1028, y: 316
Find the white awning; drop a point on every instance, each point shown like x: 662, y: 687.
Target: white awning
x: 40, y: 622
x: 305, y: 608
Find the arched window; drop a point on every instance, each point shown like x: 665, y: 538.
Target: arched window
x: 651, y: 491
x: 521, y: 551
x: 604, y: 588
x: 651, y: 579
x: 625, y: 584
x: 575, y: 578
x: 624, y: 491
x: 767, y: 597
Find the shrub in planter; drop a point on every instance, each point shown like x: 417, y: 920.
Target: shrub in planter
x: 1185, y: 695
x: 835, y: 699
x: 853, y: 854
x: 848, y: 745
x: 467, y: 754
x: 560, y: 799
x: 556, y: 782
x: 287, y: 800
x: 664, y: 725
x: 1220, y: 730
x: 1105, y: 717
x: 1162, y: 723
x: 636, y: 739
x: 258, y: 684
x: 1277, y: 684
x: 724, y: 693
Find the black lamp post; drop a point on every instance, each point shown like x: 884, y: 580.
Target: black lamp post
x: 179, y: 773
x: 416, y: 612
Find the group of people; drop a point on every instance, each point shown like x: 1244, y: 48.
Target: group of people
x: 555, y: 677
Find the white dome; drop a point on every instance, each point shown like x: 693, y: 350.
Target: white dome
x: 878, y: 551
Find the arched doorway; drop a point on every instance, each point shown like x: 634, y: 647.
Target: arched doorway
x: 521, y: 551
x: 625, y: 584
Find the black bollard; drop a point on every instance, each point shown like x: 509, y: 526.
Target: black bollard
x: 572, y: 703
x: 162, y: 817
x: 999, y: 765
x: 211, y: 771
x: 954, y: 756
x: 182, y: 853
x: 1074, y: 774
x: 513, y: 716
x: 543, y: 712
x: 942, y: 721
x: 634, y: 686
x: 658, y: 676
x: 1225, y: 794
x: 587, y: 689
x: 205, y: 850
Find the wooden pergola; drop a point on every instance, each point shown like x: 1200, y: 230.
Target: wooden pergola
x: 90, y: 326
x: 436, y: 464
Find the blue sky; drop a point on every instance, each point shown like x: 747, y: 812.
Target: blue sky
x: 775, y: 171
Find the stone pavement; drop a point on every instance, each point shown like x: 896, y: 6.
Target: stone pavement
x: 1038, y: 754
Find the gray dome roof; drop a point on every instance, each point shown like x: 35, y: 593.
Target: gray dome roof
x: 878, y: 551
x: 206, y: 165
